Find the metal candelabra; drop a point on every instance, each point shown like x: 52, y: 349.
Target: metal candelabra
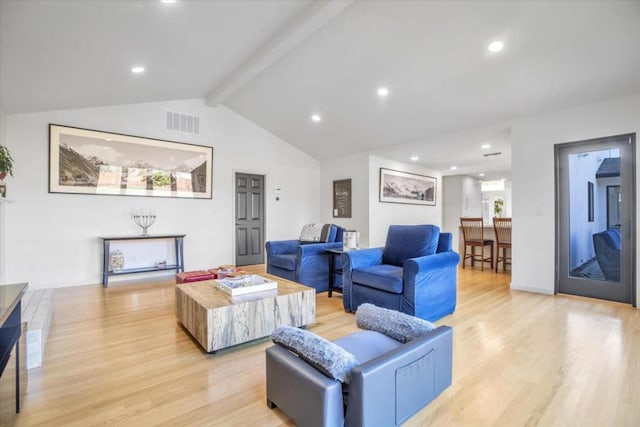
x: 144, y: 221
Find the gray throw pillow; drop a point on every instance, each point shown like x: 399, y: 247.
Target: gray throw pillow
x: 327, y: 357
x: 398, y: 326
x: 315, y: 233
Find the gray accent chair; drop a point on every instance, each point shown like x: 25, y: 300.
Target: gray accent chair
x: 392, y: 382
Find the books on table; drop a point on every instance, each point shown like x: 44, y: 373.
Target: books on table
x: 246, y: 284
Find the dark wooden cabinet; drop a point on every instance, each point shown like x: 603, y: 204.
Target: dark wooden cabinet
x: 8, y: 395
x: 12, y: 352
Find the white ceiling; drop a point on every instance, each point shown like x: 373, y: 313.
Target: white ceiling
x: 58, y: 54
x: 277, y: 62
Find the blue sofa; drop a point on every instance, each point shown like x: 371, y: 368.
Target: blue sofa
x: 415, y: 273
x: 305, y: 263
x: 607, y: 246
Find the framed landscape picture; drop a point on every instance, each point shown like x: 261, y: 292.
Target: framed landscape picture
x: 342, y: 198
x: 84, y: 161
x: 405, y: 187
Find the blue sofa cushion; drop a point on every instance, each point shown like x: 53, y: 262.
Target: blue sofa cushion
x: 394, y: 324
x: 327, y: 357
x: 385, y: 277
x: 339, y: 236
x: 607, y: 246
x: 614, y: 240
x: 284, y: 261
x: 367, y: 345
x: 410, y: 241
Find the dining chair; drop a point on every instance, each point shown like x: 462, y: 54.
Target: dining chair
x: 473, y: 234
x: 502, y: 228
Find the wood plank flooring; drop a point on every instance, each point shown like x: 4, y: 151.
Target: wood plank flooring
x: 116, y: 356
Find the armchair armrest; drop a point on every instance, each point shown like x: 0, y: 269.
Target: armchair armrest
x: 430, y: 285
x: 352, y: 260
x: 312, y: 264
x: 278, y: 247
x: 307, y: 396
x: 389, y: 389
x: 362, y: 258
x: 311, y: 249
x: 413, y: 266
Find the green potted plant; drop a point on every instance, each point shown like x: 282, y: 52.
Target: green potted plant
x: 497, y: 207
x: 6, y: 162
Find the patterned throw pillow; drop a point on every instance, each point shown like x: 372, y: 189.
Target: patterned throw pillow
x: 315, y: 233
x: 327, y: 357
x: 394, y: 324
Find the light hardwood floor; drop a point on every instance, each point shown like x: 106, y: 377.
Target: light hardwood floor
x: 117, y: 356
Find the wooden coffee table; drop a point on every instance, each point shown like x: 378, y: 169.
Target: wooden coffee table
x: 218, y: 320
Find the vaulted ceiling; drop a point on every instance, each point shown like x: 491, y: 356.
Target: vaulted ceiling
x: 277, y: 62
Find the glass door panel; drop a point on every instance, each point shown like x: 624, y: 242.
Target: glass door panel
x: 595, y: 219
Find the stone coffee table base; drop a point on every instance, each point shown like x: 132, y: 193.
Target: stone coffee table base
x: 218, y: 320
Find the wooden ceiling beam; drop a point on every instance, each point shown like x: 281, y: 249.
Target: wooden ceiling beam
x: 294, y: 33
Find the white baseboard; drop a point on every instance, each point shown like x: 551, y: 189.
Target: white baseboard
x: 531, y: 289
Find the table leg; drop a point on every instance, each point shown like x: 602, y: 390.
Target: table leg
x: 179, y: 254
x: 105, y: 263
x: 330, y: 257
x: 18, y: 375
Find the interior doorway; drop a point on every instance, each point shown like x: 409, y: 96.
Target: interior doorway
x: 595, y: 218
x: 249, y: 219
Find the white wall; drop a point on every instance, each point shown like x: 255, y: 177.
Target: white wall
x: 52, y: 239
x: 2, y: 205
x: 508, y: 199
x: 3, y: 119
x: 452, y: 203
x: 533, y: 180
x: 356, y: 168
x: 381, y: 215
x: 471, y: 197
x: 369, y: 216
x: 462, y: 198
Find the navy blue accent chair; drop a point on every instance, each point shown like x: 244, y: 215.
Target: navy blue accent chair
x: 415, y: 273
x: 305, y: 263
x: 607, y: 245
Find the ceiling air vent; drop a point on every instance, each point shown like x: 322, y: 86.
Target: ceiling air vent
x: 182, y: 123
x: 497, y: 153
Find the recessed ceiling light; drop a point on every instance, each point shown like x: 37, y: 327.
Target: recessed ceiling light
x: 496, y: 46
x: 414, y: 158
x: 316, y: 118
x: 168, y: 1
x: 485, y: 146
x: 137, y: 70
x: 481, y: 174
x: 383, y: 91
x: 453, y: 168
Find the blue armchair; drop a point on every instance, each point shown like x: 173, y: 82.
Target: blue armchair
x: 305, y: 263
x: 415, y: 273
x: 607, y: 245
